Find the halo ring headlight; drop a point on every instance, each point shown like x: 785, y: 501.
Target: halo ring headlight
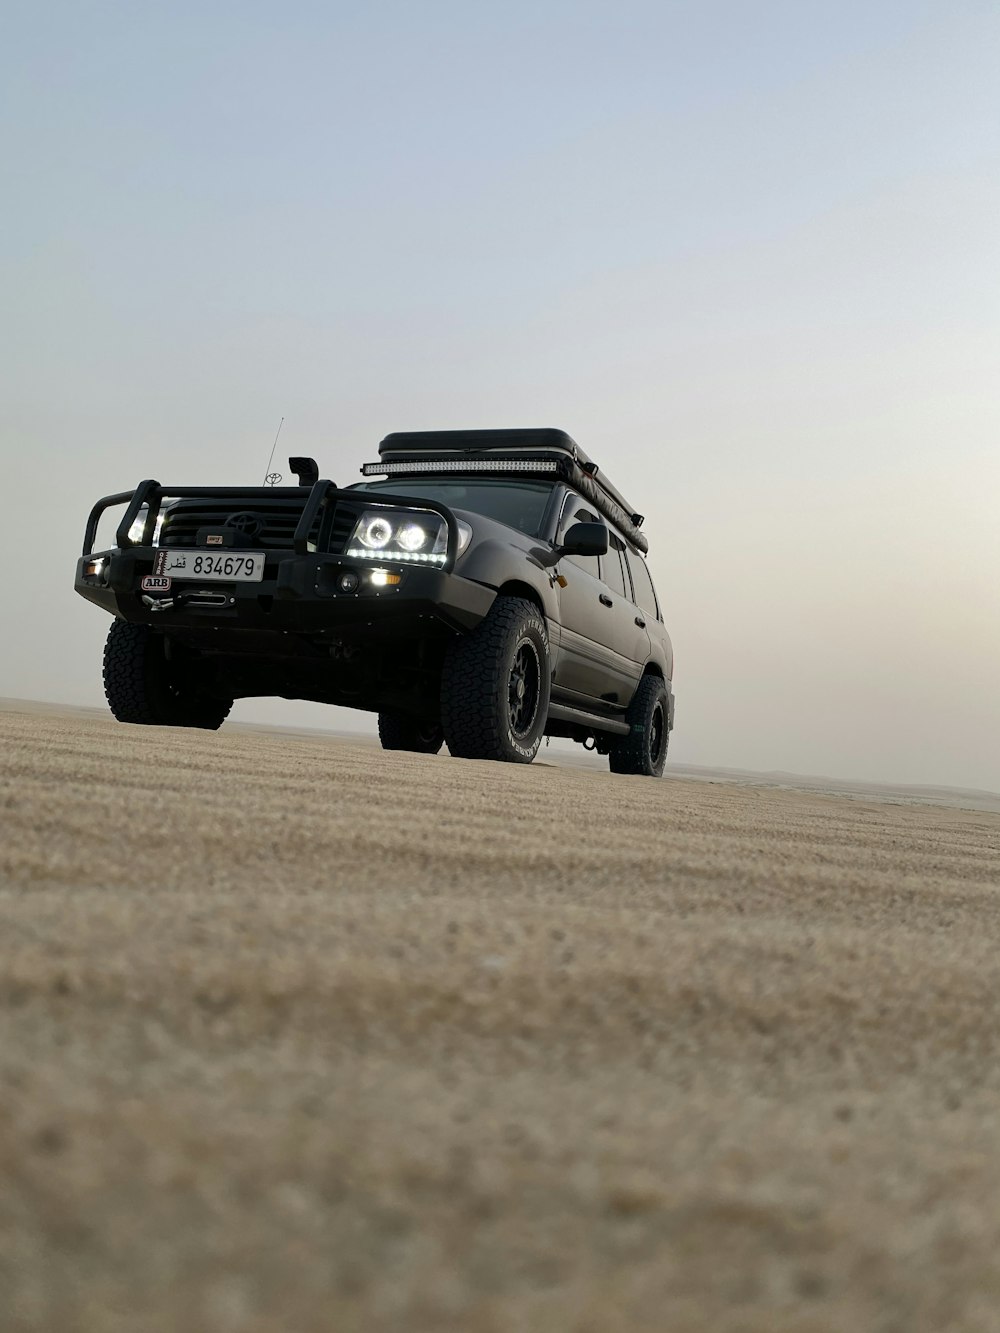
x: 377, y: 533
x: 411, y: 535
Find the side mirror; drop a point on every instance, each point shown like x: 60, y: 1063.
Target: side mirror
x: 585, y: 539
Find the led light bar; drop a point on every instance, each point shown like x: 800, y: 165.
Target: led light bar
x: 459, y: 465
x: 418, y: 557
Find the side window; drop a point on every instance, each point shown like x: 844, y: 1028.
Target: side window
x: 645, y: 597
x: 576, y: 513
x: 612, y: 571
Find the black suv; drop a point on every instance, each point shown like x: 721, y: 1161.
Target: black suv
x: 487, y: 589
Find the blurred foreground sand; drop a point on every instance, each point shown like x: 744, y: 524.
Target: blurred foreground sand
x: 295, y: 1035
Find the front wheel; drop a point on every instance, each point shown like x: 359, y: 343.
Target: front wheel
x: 145, y: 686
x: 496, y: 683
x: 644, y: 750
x: 397, y: 732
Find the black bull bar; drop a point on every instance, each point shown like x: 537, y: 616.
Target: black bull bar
x: 315, y: 498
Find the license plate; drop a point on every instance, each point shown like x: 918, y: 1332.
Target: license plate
x: 211, y: 566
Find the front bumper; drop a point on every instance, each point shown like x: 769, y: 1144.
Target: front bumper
x: 298, y: 594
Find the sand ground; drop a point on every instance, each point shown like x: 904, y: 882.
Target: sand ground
x: 295, y: 1035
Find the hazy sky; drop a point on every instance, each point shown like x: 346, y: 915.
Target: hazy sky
x: 747, y: 254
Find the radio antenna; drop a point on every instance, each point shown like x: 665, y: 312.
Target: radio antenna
x: 272, y: 478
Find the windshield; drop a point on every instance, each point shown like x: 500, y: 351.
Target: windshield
x: 519, y: 504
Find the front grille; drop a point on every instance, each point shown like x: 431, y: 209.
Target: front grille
x: 277, y: 520
x: 270, y: 524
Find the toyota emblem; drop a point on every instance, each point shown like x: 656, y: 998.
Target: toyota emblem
x: 247, y: 525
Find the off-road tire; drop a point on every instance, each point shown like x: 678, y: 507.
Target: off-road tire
x: 644, y: 750
x: 397, y: 732
x: 144, y: 687
x: 482, y: 711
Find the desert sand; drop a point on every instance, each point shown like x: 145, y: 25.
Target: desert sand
x: 295, y: 1035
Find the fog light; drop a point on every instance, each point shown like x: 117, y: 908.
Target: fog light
x: 381, y: 578
x: 94, y: 568
x: 348, y: 581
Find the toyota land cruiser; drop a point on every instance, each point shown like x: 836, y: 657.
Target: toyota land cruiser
x: 478, y: 588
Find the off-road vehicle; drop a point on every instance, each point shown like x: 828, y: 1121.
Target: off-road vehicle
x: 481, y: 588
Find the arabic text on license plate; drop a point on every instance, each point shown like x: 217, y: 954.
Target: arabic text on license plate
x: 211, y: 566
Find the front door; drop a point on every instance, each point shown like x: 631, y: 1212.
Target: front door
x: 586, y: 664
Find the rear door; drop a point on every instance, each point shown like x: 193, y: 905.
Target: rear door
x: 626, y: 629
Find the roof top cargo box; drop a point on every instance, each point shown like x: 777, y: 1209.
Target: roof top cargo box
x: 452, y: 447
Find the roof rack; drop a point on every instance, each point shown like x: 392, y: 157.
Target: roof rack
x: 528, y: 452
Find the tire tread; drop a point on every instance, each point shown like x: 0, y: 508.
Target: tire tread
x: 629, y: 754
x: 129, y: 667
x: 471, y: 682
x: 397, y: 732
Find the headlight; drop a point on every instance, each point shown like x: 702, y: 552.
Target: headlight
x: 417, y: 536
x: 412, y: 537
x: 376, y: 533
x: 136, y: 530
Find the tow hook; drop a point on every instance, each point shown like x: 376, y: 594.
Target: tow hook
x: 158, y: 603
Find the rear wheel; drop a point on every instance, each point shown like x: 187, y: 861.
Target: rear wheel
x: 644, y: 750
x: 397, y: 732
x: 495, y: 685
x: 143, y: 685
